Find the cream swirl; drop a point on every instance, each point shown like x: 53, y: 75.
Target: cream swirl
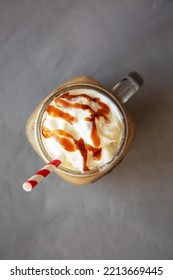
x: 82, y: 129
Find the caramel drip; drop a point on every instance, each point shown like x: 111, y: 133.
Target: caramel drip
x: 66, y: 104
x: 56, y: 113
x: 103, y: 111
x: 94, y: 135
x: 66, y: 140
x: 96, y: 153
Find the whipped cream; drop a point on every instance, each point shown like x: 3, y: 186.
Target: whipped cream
x: 82, y: 128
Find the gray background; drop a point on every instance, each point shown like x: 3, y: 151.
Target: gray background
x: 129, y: 213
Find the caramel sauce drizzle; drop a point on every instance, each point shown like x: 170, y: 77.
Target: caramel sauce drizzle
x: 66, y: 140
x: 103, y: 111
x: 56, y: 113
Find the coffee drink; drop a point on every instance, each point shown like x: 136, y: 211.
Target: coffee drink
x: 85, y: 126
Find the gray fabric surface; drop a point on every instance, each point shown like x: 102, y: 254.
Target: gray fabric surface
x: 127, y: 214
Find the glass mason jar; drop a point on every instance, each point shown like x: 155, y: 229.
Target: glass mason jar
x: 119, y: 94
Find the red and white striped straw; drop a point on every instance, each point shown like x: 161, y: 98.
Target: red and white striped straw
x: 40, y: 175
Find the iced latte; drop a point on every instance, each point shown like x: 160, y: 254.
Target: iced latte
x: 85, y: 127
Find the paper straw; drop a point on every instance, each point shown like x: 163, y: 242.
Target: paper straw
x: 40, y: 175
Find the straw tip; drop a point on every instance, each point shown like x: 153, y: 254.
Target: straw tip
x: 27, y: 187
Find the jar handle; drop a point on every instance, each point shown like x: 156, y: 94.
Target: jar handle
x: 127, y: 87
